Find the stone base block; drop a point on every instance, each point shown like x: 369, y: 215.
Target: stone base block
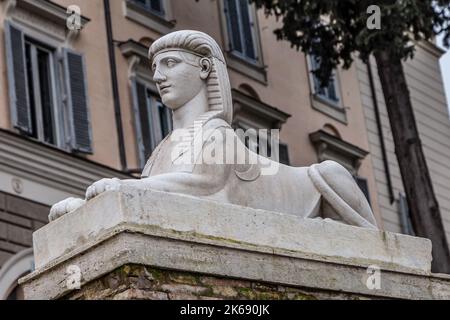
x: 156, y: 245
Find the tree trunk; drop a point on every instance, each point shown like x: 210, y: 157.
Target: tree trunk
x: 423, y: 206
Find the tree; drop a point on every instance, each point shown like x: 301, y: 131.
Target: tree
x: 335, y: 31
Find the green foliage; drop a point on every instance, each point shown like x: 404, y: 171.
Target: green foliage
x: 333, y: 30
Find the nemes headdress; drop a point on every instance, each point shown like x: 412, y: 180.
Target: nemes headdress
x: 201, y: 44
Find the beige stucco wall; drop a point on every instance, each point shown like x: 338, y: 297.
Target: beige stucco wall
x: 428, y: 98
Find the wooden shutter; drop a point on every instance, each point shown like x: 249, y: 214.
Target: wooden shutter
x: 142, y: 121
x: 17, y: 77
x: 77, y: 100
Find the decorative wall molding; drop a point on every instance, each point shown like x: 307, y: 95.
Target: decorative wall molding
x: 262, y: 115
x: 330, y: 147
x: 136, y: 54
x: 432, y: 48
x: 45, y: 16
x: 48, y: 174
x: 133, y: 48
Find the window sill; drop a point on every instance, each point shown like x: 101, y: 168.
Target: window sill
x: 336, y: 112
x: 255, y: 70
x: 147, y: 18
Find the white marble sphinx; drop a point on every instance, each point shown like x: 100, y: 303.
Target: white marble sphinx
x: 191, y: 76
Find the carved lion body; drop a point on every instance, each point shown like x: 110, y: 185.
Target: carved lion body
x: 190, y: 72
x: 326, y: 190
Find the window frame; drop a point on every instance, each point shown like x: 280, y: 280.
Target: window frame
x: 161, y: 23
x: 154, y: 120
x: 335, y: 110
x: 334, y: 78
x: 254, y: 69
x: 148, y: 7
x: 64, y: 125
x: 57, y: 116
x: 155, y: 105
x: 50, y: 43
x: 252, y: 18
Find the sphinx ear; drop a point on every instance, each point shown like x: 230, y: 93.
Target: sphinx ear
x: 206, y: 66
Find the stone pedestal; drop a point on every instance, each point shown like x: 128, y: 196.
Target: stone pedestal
x: 156, y: 245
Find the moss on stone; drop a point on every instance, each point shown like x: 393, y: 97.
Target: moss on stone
x: 303, y: 296
x: 247, y: 293
x: 156, y: 274
x: 185, y: 278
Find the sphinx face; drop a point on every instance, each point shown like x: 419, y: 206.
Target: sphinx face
x: 178, y: 77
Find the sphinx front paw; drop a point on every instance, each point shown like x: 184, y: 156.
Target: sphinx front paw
x: 63, y: 207
x: 101, y: 186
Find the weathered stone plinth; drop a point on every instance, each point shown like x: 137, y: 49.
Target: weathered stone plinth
x: 156, y: 245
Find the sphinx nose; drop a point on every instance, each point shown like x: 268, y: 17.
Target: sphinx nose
x: 159, y: 77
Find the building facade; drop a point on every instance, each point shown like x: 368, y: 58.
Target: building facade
x: 80, y: 105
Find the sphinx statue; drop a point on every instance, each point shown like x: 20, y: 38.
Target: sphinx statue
x: 191, y: 76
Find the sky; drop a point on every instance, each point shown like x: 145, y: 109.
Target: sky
x: 445, y: 69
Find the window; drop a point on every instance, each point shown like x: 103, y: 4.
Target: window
x: 249, y: 113
x: 241, y: 29
x: 153, y: 120
x: 362, y: 184
x: 326, y: 100
x: 41, y: 90
x: 328, y: 93
x: 241, y: 38
x: 153, y: 14
x: 48, y: 95
x: 154, y: 6
x: 284, y: 154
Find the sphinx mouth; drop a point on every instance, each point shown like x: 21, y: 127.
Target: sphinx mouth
x: 164, y: 86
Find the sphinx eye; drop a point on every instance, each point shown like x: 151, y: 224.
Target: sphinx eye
x: 171, y: 62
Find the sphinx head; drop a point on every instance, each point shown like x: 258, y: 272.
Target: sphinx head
x: 180, y: 76
x: 187, y: 62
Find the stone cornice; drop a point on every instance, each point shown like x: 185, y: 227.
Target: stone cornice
x: 46, y: 9
x: 260, y: 108
x: 328, y: 147
x: 431, y: 48
x: 133, y: 48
